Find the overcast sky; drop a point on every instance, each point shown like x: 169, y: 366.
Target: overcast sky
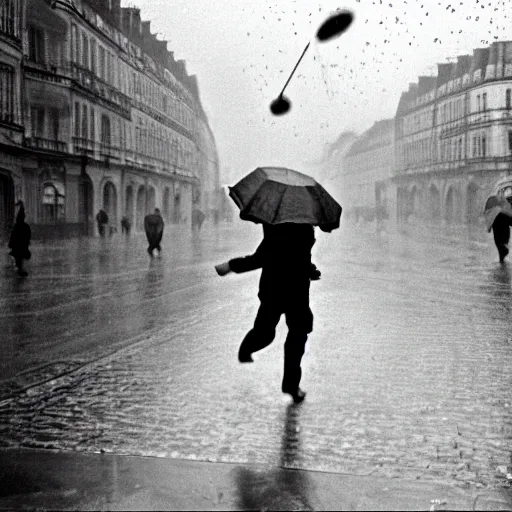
x: 243, y: 52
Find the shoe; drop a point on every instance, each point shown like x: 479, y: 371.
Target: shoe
x: 298, y: 394
x: 245, y: 357
x: 22, y: 273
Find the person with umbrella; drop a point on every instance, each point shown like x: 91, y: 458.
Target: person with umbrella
x: 20, y: 240
x: 498, y: 218
x: 288, y: 204
x: 154, y: 227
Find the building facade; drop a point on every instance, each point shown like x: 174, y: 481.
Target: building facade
x: 328, y: 170
x: 366, y: 172
x: 99, y: 115
x: 453, y: 137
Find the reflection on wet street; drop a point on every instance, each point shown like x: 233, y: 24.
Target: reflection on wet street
x: 407, y: 369
x: 279, y: 488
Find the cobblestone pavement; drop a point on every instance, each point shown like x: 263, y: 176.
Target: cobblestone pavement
x: 407, y: 370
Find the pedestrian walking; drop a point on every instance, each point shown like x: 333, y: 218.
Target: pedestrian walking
x: 288, y: 204
x: 154, y: 227
x: 102, y: 220
x: 197, y: 219
x: 498, y: 217
x: 501, y: 233
x: 20, y: 240
x: 126, y: 225
x: 284, y: 256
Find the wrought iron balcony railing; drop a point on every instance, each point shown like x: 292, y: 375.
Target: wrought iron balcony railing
x: 84, y: 146
x: 46, y: 144
x: 88, y: 80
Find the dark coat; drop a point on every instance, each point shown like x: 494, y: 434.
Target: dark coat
x: 20, y: 238
x: 154, y: 227
x: 102, y: 217
x: 501, y: 229
x: 284, y: 256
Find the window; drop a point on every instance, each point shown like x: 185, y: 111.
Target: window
x: 507, y: 96
x: 53, y: 201
x: 37, y: 118
x: 75, y: 51
x: 85, y: 51
x: 93, y: 56
x: 109, y: 68
x: 102, y: 62
x: 36, y: 47
x: 478, y: 102
x: 105, y: 130
x: 54, y: 123
x: 7, y: 109
x: 93, y: 124
x: 10, y: 16
x: 474, y: 147
x: 460, y: 148
x: 484, y: 145
x: 85, y: 123
x: 510, y: 140
x: 484, y: 101
x: 77, y: 119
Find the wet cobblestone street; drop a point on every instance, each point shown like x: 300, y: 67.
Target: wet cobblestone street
x: 407, y: 369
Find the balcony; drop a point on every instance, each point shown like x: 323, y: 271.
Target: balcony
x: 109, y: 152
x: 136, y: 159
x: 83, y: 146
x: 46, y: 144
x: 7, y: 117
x: 46, y: 73
x: 88, y: 80
x: 481, y: 117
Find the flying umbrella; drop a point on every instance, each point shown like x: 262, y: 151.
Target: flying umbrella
x: 334, y: 26
x: 275, y: 195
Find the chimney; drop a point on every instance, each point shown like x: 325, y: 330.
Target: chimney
x: 426, y: 84
x: 480, y: 59
x: 500, y: 59
x: 463, y: 64
x: 444, y: 72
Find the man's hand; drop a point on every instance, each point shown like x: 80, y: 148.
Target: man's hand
x: 223, y: 269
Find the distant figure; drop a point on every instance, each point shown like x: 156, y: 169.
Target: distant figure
x: 126, y: 225
x: 102, y: 220
x: 20, y: 240
x: 154, y: 227
x: 197, y: 219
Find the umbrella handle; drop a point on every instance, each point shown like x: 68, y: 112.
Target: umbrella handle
x: 296, y: 65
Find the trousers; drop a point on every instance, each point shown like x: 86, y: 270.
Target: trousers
x: 299, y: 320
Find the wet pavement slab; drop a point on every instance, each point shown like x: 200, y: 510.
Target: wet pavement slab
x: 407, y: 369
x: 47, y: 480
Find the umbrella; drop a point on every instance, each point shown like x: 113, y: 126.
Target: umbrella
x: 494, y: 206
x: 275, y: 195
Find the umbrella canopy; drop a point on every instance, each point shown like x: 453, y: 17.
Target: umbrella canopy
x: 495, y: 205
x: 275, y: 195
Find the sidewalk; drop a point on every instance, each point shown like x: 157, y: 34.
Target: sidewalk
x: 33, y: 479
